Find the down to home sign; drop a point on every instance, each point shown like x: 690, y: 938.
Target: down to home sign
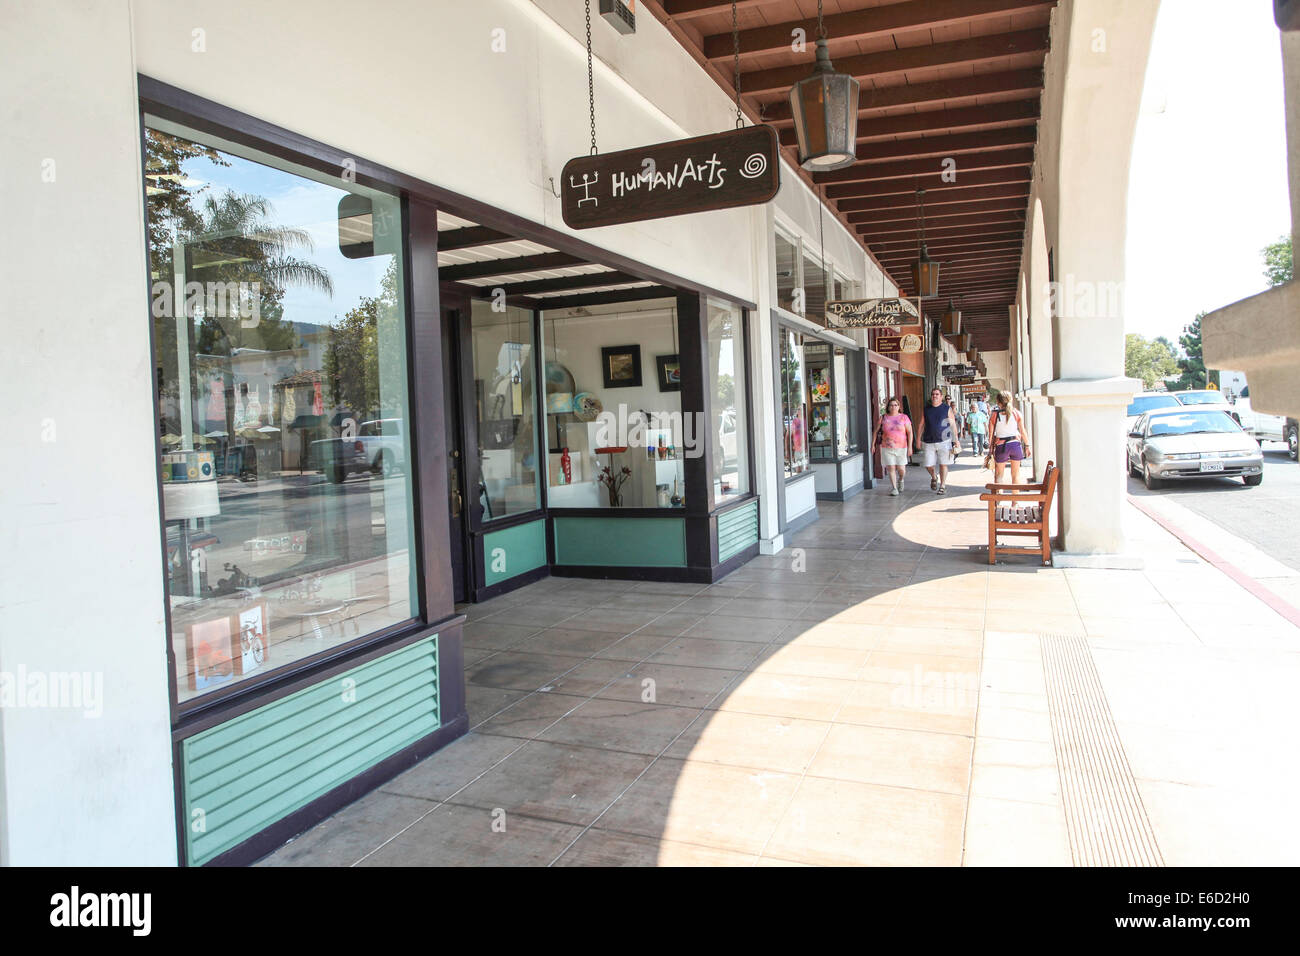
x: 735, y: 168
x: 871, y: 313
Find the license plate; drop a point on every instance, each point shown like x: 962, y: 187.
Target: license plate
x: 1211, y: 466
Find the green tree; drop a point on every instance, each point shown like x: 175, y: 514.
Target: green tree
x: 1151, y: 361
x: 1191, y: 367
x: 1278, y: 262
x: 356, y: 366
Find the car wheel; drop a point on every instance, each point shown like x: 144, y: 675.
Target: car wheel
x: 1252, y: 480
x: 386, y: 466
x: 337, y: 474
x: 1130, y: 467
x: 1150, y: 480
x: 1291, y: 441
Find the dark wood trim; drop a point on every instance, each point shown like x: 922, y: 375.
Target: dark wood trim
x: 688, y: 575
x: 468, y: 237
x: 588, y: 280
x: 732, y: 505
x: 779, y: 390
x: 693, y: 348
x: 429, y: 428
x: 619, y: 513
x: 797, y: 524
x: 510, y: 521
x: 720, y: 571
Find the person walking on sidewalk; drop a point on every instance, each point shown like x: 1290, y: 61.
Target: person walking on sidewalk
x: 894, y: 438
x: 977, y: 424
x: 1010, y: 444
x: 939, y: 436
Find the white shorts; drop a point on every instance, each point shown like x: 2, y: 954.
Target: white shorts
x: 937, y: 453
x: 893, y: 457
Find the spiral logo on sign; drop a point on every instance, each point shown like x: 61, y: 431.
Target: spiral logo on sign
x: 755, y: 165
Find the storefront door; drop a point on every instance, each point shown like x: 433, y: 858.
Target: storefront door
x: 455, y: 457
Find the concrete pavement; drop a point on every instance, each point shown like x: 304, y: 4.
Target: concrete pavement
x: 875, y: 694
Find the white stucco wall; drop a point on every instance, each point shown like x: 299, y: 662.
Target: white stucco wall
x: 81, y: 577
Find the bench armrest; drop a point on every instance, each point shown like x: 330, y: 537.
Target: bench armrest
x: 1042, y: 499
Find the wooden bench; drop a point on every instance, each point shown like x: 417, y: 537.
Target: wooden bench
x: 1022, y: 510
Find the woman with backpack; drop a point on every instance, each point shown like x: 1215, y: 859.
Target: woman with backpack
x: 1009, y: 444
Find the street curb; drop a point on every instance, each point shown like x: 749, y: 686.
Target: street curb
x: 1279, y: 605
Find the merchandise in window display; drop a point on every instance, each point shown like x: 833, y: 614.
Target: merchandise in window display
x: 820, y: 387
x: 821, y: 424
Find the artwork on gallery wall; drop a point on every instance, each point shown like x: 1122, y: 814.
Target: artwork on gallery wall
x: 820, y: 385
x: 670, y: 372
x: 621, y: 366
x: 208, y: 653
x: 821, y: 424
x: 252, y: 638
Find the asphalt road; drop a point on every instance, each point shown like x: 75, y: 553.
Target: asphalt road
x: 1268, y: 516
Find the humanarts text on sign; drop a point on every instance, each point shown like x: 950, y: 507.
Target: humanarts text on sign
x: 720, y: 171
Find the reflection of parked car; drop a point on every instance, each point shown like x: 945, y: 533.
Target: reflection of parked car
x: 727, y: 435
x: 377, y: 447
x: 1292, y: 430
x: 1192, y: 443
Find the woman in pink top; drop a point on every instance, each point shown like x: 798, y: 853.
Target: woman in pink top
x: 894, y: 438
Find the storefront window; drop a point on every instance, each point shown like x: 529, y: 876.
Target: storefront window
x: 726, y: 371
x: 817, y: 362
x: 846, y: 403
x: 503, y: 392
x: 794, y: 403
x: 615, y: 434
x: 279, y: 325
x: 814, y: 290
x: 787, y: 275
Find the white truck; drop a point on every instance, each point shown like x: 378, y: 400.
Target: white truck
x: 1262, y: 426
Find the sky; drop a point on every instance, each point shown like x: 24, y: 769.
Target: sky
x: 1208, y: 187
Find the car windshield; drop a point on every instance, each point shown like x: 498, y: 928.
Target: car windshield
x: 1191, y: 423
x: 1200, y: 398
x: 1144, y: 403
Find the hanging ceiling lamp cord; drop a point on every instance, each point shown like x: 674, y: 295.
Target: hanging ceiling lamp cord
x: 591, y: 86
x: 821, y: 27
x: 735, y: 45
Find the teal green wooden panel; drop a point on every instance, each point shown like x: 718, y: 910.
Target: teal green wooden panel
x: 245, y: 774
x: 737, y: 530
x: 512, y: 551
x: 621, y: 542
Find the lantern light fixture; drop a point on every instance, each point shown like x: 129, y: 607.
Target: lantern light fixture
x: 925, y: 271
x: 951, y: 320
x: 825, y: 111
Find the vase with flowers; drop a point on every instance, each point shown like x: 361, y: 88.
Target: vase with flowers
x: 613, y: 481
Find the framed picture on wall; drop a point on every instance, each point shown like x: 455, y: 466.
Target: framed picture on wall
x: 621, y: 365
x: 670, y: 372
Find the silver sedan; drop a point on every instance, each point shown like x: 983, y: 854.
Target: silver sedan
x: 1192, y: 443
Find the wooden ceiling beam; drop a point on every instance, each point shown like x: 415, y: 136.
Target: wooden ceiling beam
x: 872, y: 100
x: 930, y: 178
x: 967, y: 52
x: 511, y: 266
x: 919, y: 168
x: 902, y: 205
x: 865, y: 24
x: 939, y: 225
x: 956, y: 144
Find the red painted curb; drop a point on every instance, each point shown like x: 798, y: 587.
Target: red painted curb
x: 1282, y: 607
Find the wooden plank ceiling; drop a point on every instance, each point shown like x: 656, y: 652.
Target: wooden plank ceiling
x: 940, y: 79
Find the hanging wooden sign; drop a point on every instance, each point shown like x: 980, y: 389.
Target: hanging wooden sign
x: 737, y: 168
x: 871, y: 313
x: 907, y: 344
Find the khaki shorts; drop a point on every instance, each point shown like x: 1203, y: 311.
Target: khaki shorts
x: 937, y: 453
x: 893, y: 456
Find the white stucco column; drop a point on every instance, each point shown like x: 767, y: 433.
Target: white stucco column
x: 85, y: 732
x: 1105, y: 44
x: 768, y: 457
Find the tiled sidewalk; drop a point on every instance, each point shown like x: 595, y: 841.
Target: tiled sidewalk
x: 875, y: 694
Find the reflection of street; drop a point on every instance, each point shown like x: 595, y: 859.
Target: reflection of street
x: 1266, y: 516
x: 276, y: 528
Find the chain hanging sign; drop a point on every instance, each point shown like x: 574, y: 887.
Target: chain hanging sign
x: 871, y: 313
x: 719, y: 171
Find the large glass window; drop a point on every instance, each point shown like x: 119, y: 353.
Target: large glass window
x: 794, y: 403
x: 787, y: 275
x: 814, y: 290
x: 615, y: 433
x: 726, y: 371
x: 283, y: 417
x: 846, y: 402
x: 503, y: 392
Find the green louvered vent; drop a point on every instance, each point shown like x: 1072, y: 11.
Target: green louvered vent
x: 244, y: 775
x: 737, y: 530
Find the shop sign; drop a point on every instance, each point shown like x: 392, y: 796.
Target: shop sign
x: 908, y: 344
x: 737, y: 168
x: 871, y: 313
x: 963, y: 380
x: 958, y: 371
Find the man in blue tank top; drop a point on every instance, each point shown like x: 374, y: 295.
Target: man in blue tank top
x: 939, y: 439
